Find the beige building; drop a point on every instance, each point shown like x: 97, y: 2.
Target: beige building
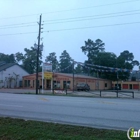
x: 128, y: 85
x: 60, y: 80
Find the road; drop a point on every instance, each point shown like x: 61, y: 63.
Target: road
x: 105, y: 113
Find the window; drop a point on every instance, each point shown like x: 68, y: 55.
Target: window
x: 56, y: 84
x: 28, y: 83
x: 66, y: 84
x: 105, y: 84
x: 25, y: 83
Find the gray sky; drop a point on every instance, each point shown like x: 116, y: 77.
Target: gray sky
x: 113, y: 29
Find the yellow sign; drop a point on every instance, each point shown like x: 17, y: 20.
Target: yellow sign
x: 48, y: 75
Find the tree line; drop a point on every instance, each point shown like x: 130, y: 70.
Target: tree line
x: 96, y: 55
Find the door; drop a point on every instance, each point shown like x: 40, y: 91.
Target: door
x: 48, y: 84
x: 130, y: 86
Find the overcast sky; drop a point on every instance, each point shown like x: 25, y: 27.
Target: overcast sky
x: 115, y: 22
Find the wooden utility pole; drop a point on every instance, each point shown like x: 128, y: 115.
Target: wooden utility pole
x: 73, y: 75
x: 37, y: 58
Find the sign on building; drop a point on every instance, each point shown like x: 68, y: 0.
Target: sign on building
x: 47, y: 67
x: 48, y: 75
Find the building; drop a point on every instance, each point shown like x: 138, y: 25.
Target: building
x: 127, y: 85
x: 133, y: 83
x: 11, y: 75
x: 60, y: 80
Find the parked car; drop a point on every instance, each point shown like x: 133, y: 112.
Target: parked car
x: 83, y: 86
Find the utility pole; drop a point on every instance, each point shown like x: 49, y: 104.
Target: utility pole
x: 73, y: 75
x: 37, y: 58
x: 117, y: 75
x: 117, y: 83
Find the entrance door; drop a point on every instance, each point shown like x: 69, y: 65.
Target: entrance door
x: 48, y: 84
x: 130, y: 86
x: 64, y: 84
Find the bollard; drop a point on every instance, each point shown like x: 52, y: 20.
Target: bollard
x: 133, y: 94
x: 66, y: 91
x: 117, y: 93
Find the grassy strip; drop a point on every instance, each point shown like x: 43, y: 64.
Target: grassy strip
x: 18, y: 129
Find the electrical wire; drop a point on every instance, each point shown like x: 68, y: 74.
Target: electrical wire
x: 68, y: 29
x: 19, y: 25
x: 74, y: 9
x: 109, y: 25
x: 90, y: 19
x: 138, y: 10
x: 18, y: 33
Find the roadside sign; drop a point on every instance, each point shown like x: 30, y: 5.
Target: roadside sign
x: 48, y: 75
x: 47, y: 67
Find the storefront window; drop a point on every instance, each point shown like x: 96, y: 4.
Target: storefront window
x: 25, y: 83
x: 56, y: 84
x: 66, y: 83
x: 28, y: 83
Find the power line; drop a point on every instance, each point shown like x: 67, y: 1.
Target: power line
x: 74, y: 9
x: 18, y: 33
x: 28, y: 23
x: 98, y: 26
x: 17, y: 24
x: 96, y: 15
x: 90, y: 18
x: 68, y: 29
x: 96, y: 6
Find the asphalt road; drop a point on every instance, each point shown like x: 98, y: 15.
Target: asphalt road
x: 93, y: 112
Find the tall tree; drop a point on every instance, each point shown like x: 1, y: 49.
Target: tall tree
x: 79, y: 69
x: 52, y: 59
x: 106, y: 59
x: 127, y: 56
x: 126, y: 61
x: 91, y: 49
x: 65, y: 61
x: 7, y: 58
x: 30, y: 62
x: 19, y: 57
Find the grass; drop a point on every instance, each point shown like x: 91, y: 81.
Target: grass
x: 18, y: 129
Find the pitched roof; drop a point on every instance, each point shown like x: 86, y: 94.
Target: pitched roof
x: 6, y: 65
x: 2, y: 63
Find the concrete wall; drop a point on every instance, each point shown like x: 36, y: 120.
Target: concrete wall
x: 11, y: 77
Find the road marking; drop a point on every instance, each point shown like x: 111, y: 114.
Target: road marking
x: 44, y: 99
x: 10, y: 105
x: 104, y: 102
